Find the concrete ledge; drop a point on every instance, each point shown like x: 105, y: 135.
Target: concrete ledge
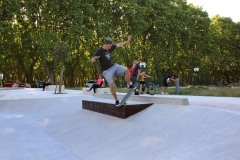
x: 156, y: 99
x: 112, y: 110
x: 53, y: 87
x: 98, y: 90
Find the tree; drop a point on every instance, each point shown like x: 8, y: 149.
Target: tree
x: 61, y: 52
x: 169, y: 35
x: 224, y: 58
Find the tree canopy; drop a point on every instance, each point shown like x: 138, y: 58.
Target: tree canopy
x: 171, y: 36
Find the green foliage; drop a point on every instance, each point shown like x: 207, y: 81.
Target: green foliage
x: 61, y: 51
x: 170, y: 36
x: 211, y: 91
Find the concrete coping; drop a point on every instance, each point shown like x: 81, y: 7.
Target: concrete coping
x: 164, y: 99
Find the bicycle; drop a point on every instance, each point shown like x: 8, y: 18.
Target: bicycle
x: 149, y: 86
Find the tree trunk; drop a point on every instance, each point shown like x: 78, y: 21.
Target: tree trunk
x: 49, y: 71
x: 60, y: 81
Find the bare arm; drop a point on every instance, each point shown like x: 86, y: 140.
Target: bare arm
x: 93, y: 59
x: 145, y: 75
x: 172, y: 79
x: 124, y: 42
x: 138, y: 74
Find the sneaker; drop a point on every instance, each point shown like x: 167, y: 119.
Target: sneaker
x: 117, y: 102
x: 136, y: 93
x: 131, y: 87
x: 162, y: 92
x: 166, y: 93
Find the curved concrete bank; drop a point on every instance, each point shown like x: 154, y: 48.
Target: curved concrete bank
x: 56, y: 128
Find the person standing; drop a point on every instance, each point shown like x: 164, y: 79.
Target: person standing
x: 136, y: 74
x: 166, y: 81
x: 98, y: 84
x: 131, y: 69
x: 143, y: 75
x: 109, y: 69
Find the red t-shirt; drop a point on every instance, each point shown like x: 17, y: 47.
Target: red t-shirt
x: 131, y: 70
x: 99, y: 81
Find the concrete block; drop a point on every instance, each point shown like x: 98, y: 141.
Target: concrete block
x: 150, y: 99
x: 111, y: 109
x: 53, y: 87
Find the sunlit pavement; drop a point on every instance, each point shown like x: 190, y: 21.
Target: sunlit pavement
x: 41, y: 125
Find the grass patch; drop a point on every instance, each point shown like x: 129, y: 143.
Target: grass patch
x: 211, y: 91
x: 193, y: 90
x: 199, y: 91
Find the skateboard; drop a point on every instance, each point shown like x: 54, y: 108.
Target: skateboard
x: 129, y: 93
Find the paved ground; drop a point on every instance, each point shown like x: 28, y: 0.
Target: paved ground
x: 37, y: 125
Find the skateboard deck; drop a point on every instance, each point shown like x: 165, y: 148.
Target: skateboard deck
x: 129, y: 93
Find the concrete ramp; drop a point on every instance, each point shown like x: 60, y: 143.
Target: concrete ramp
x: 59, y: 129
x: 111, y: 109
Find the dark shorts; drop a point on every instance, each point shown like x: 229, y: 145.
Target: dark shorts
x: 165, y: 84
x: 142, y: 82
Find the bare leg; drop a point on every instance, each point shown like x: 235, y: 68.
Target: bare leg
x: 127, y: 77
x: 140, y: 90
x: 165, y: 89
x: 112, y: 89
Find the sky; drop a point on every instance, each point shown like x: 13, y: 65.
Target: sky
x: 225, y: 8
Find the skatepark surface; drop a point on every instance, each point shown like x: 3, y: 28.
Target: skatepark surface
x: 41, y: 125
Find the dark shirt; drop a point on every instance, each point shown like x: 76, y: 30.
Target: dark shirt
x: 135, y: 70
x: 47, y: 80
x: 167, y: 79
x: 105, y: 58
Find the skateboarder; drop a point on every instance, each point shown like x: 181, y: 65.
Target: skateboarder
x: 109, y: 69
